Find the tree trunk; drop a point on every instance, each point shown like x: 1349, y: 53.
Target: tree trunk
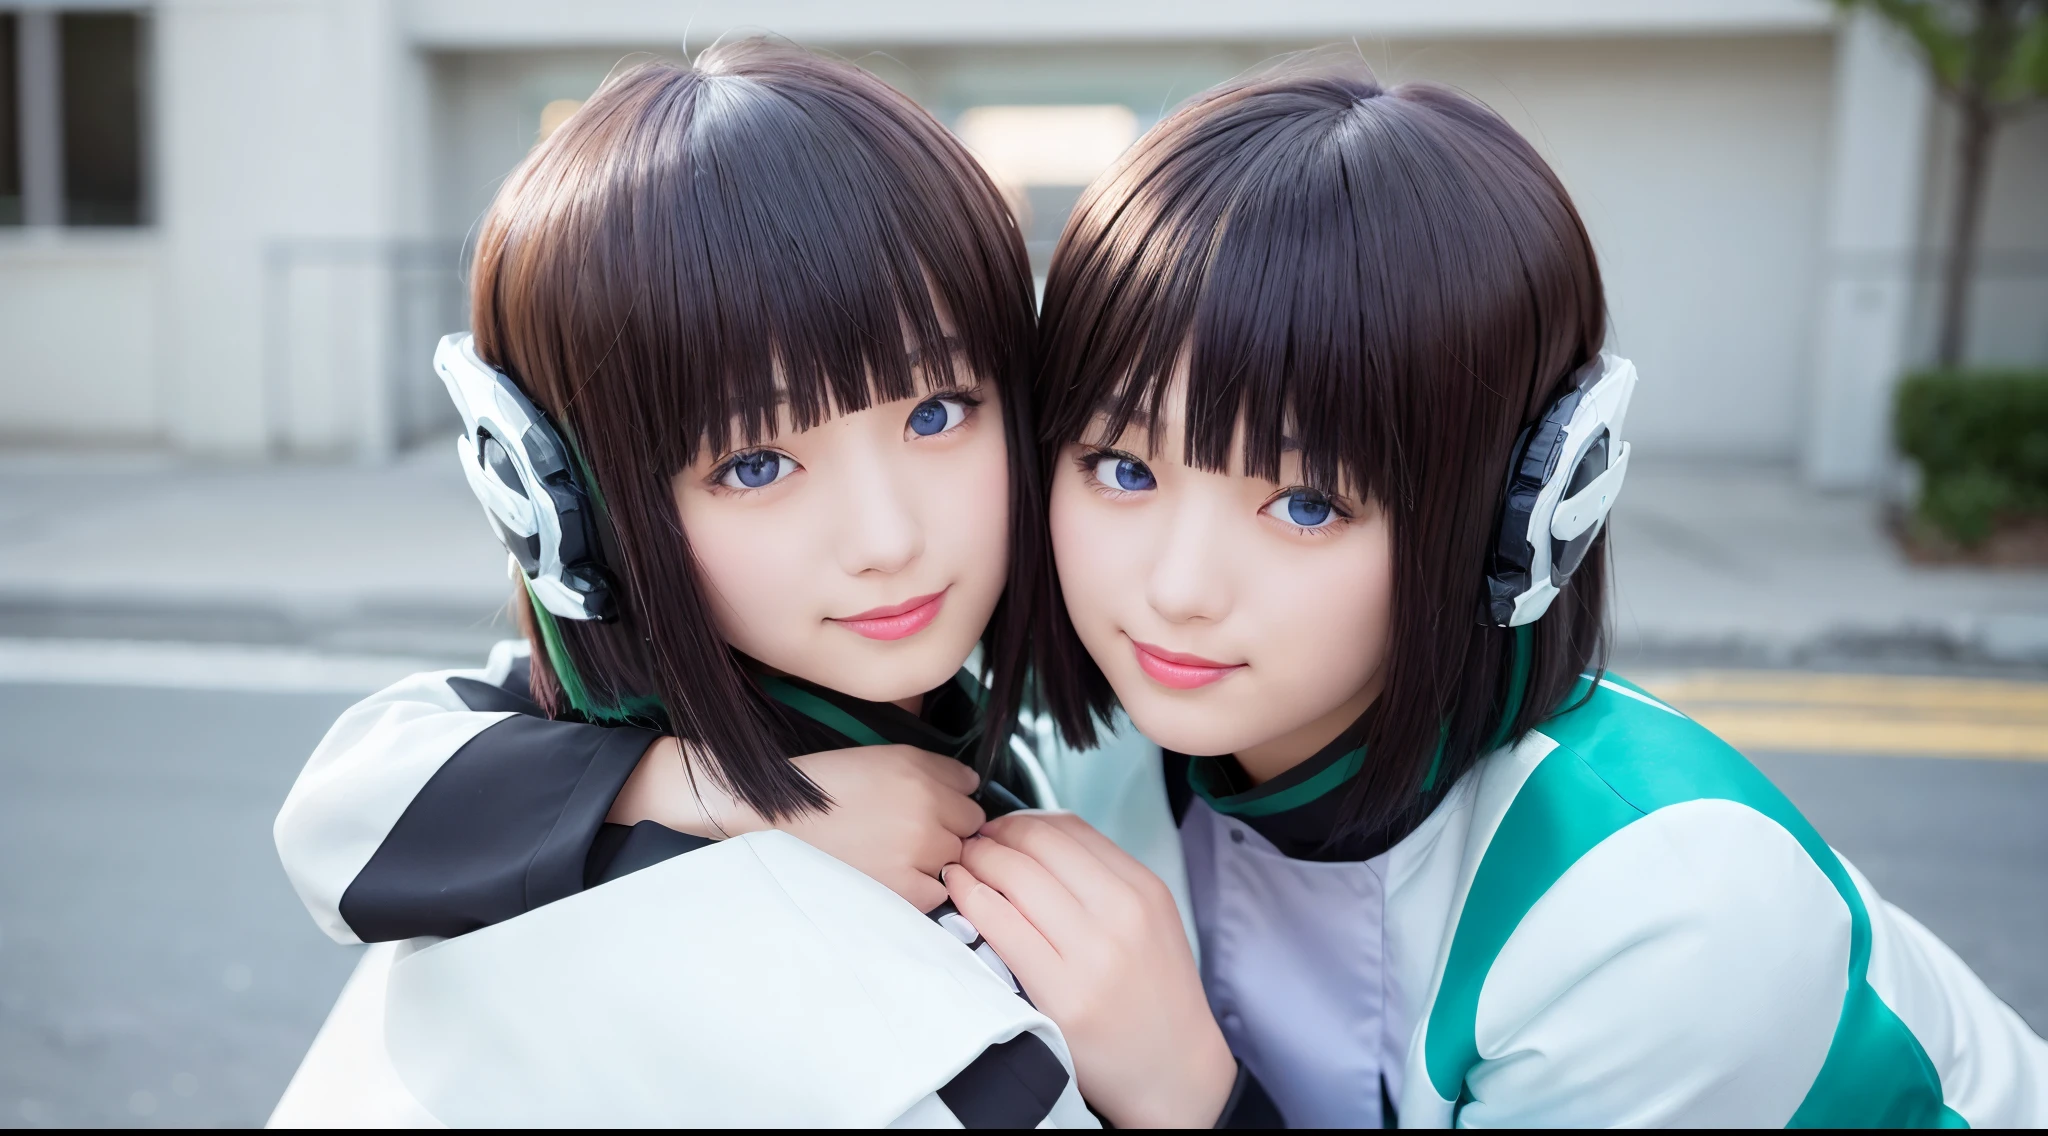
x: 1991, y: 43
x: 1969, y: 211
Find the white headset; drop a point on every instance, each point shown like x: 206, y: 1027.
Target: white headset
x: 524, y: 474
x: 1566, y: 472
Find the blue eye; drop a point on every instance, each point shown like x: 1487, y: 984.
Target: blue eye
x: 1119, y: 472
x: 936, y: 416
x: 1303, y: 508
x: 756, y: 470
x: 1307, y: 511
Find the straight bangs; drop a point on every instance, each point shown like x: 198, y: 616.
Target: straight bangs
x: 1390, y: 281
x: 696, y: 251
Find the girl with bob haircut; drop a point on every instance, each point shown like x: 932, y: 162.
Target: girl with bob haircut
x: 1324, y: 439
x: 747, y: 401
x: 1328, y: 435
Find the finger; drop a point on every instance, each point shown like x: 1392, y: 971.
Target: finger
x: 959, y: 815
x: 1035, y: 892
x: 1099, y: 889
x: 1022, y: 948
x: 1127, y: 867
x: 938, y: 849
x: 922, y: 891
x: 950, y: 772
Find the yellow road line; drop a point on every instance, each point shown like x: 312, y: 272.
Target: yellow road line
x: 1890, y: 715
x: 1878, y: 691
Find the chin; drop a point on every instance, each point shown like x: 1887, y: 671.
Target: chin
x: 1188, y: 726
x: 887, y: 672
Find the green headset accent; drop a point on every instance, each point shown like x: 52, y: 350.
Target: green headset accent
x: 638, y: 708
x: 1518, y: 686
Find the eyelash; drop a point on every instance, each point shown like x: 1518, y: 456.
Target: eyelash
x: 715, y: 480
x: 1091, y: 457
x: 969, y: 399
x: 1340, y: 515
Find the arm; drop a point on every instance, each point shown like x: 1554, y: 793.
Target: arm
x: 444, y: 802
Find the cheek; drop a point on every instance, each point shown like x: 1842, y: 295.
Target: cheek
x: 1328, y: 616
x: 1087, y: 549
x: 748, y: 560
x: 977, y: 496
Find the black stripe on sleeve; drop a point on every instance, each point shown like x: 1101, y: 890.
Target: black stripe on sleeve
x: 1249, y: 1105
x: 504, y: 826
x: 1013, y: 1084
x: 621, y: 850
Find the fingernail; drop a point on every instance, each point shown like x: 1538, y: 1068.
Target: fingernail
x: 942, y: 875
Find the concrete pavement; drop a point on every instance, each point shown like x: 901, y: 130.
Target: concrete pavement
x: 1745, y: 564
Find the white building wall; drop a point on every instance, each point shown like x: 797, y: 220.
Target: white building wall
x: 284, y: 153
x: 1698, y: 164
x: 319, y: 162
x: 78, y: 340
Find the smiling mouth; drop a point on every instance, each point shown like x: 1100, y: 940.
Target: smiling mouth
x: 1180, y: 671
x: 896, y: 621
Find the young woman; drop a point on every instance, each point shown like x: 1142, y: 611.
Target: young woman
x: 1309, y: 558
x: 1329, y: 437
x: 746, y: 402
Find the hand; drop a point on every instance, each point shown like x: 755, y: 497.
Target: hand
x: 1096, y: 940
x: 897, y: 813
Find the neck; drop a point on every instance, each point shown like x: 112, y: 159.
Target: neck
x: 913, y: 704
x: 1271, y: 758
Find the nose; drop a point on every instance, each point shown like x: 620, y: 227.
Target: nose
x: 880, y: 529
x: 1188, y: 583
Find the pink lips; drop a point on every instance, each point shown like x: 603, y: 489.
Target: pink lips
x: 1180, y: 671
x: 896, y: 621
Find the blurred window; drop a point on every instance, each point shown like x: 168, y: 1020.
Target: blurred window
x: 102, y: 101
x: 1041, y: 157
x: 10, y: 124
x: 71, y: 117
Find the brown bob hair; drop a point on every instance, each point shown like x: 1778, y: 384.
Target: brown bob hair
x: 692, y: 247
x: 1393, y: 278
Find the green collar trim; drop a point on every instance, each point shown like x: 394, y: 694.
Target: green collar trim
x: 1275, y: 796
x: 822, y: 712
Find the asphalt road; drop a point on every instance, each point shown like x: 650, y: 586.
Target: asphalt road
x: 156, y: 969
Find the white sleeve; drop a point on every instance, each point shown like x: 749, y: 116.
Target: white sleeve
x: 1994, y: 1070
x: 758, y: 982
x: 374, y: 760
x: 1689, y: 970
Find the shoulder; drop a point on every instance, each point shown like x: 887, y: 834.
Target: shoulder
x: 1649, y: 912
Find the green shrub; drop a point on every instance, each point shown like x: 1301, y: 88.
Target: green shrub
x: 1981, y: 441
